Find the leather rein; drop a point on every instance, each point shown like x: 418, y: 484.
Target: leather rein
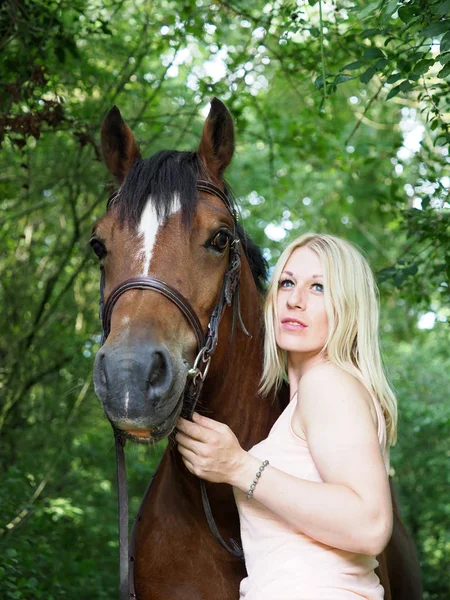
x: 206, y: 345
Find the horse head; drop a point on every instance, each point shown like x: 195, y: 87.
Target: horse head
x: 171, y: 220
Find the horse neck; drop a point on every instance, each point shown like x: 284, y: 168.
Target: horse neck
x: 231, y: 390
x: 230, y: 393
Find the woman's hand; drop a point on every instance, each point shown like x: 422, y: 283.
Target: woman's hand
x: 209, y: 449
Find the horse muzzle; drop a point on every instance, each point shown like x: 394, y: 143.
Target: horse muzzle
x: 140, y: 388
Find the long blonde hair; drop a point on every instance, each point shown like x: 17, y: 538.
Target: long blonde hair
x: 352, y: 305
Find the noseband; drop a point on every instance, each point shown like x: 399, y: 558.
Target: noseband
x: 196, y: 374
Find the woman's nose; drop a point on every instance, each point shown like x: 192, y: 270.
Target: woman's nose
x: 296, y: 299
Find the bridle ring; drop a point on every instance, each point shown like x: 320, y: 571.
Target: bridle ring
x: 195, y: 372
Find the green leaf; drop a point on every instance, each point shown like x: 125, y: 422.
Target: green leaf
x: 405, y: 86
x: 440, y: 268
x: 436, y: 28
x: 423, y: 66
x: 445, y: 42
x: 367, y: 75
x: 406, y: 13
x: 367, y: 33
x: 412, y: 269
x: 370, y: 8
x: 399, y: 278
x: 390, y: 9
x: 354, y: 65
x: 394, y: 92
x: 414, y: 57
x: 380, y: 64
x: 386, y: 273
x: 371, y: 53
x: 444, y: 137
x: 444, y: 58
x: 395, y: 77
x: 445, y: 72
x: 444, y: 8
x: 319, y: 82
x: 342, y: 78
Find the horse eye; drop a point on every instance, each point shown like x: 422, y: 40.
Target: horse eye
x: 98, y: 247
x: 220, y: 241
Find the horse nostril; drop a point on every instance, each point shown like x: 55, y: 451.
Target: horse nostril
x: 101, y: 366
x: 157, y: 370
x: 159, y: 375
x: 101, y: 379
x: 103, y: 369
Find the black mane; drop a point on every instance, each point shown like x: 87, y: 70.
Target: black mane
x: 164, y: 175
x: 169, y: 174
x: 257, y: 262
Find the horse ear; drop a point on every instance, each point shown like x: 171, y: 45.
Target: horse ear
x: 217, y: 144
x: 119, y: 147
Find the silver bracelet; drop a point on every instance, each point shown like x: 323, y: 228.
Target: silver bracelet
x: 249, y: 494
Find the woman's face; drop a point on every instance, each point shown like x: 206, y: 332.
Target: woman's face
x: 302, y: 324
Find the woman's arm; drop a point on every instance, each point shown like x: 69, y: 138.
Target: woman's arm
x: 351, y: 510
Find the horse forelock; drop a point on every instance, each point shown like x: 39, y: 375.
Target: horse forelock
x: 168, y: 181
x: 164, y: 179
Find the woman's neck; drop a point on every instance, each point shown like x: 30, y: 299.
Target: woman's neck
x: 298, y: 365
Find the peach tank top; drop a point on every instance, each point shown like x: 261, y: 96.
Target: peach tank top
x: 285, y: 564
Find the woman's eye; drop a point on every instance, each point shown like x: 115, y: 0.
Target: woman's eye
x: 285, y: 283
x: 220, y: 241
x: 98, y: 247
x: 318, y: 287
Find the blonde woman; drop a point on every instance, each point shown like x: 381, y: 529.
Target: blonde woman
x: 313, y: 497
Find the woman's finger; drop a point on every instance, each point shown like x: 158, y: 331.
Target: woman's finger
x: 207, y: 423
x: 187, y: 441
x: 187, y: 454
x: 200, y: 449
x: 193, y: 430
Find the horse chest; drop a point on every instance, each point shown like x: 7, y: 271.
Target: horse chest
x: 176, y: 553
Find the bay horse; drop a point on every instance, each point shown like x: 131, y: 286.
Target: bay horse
x: 170, y: 221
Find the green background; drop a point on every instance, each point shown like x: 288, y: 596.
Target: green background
x: 342, y: 125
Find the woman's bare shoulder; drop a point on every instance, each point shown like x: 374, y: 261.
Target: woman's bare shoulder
x: 328, y: 371
x: 326, y: 383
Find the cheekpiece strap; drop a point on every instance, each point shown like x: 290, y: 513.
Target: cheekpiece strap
x: 210, y: 188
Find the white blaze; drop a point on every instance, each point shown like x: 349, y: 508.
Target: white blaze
x: 148, y: 230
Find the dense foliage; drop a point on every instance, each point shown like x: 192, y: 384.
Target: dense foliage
x: 342, y: 124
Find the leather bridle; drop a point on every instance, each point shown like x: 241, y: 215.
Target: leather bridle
x: 206, y: 346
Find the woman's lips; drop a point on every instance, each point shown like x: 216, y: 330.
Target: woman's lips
x: 293, y: 324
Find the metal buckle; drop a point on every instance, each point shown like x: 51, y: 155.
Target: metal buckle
x: 195, y: 372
